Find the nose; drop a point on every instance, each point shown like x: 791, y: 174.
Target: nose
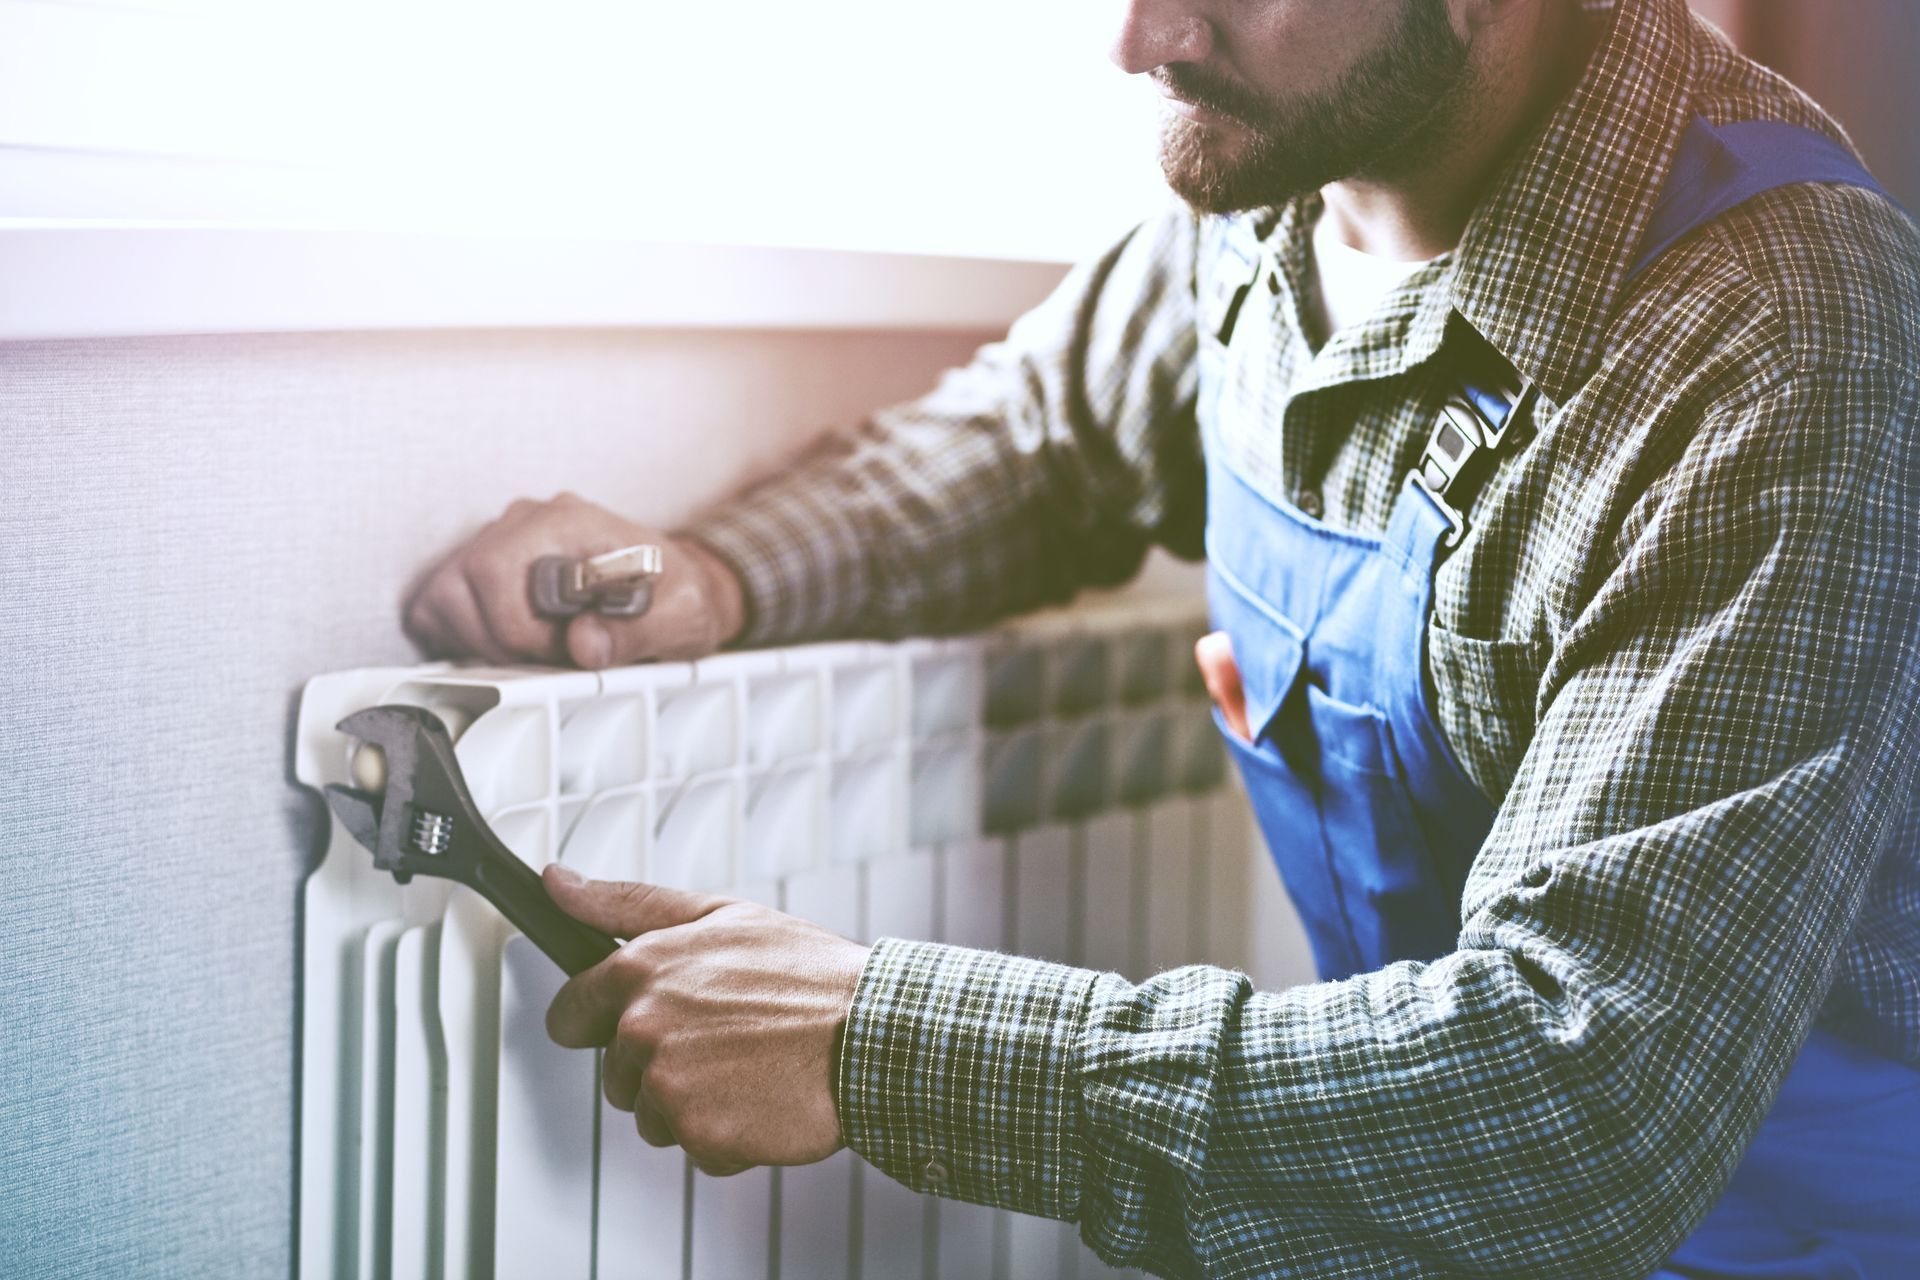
x: 1156, y: 32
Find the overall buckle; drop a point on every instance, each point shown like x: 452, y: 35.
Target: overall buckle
x: 1487, y: 414
x: 1456, y: 523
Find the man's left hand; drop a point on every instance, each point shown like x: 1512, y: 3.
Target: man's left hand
x: 719, y: 1019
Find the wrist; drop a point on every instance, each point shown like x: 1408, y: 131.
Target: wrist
x: 836, y: 1086
x: 721, y: 589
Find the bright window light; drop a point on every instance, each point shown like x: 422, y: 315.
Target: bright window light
x: 993, y: 127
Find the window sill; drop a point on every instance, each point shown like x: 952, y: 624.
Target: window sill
x: 85, y: 280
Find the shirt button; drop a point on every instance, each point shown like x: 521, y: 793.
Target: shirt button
x: 1310, y: 504
x: 933, y: 1174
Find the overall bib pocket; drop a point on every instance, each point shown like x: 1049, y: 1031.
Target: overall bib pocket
x: 1331, y: 796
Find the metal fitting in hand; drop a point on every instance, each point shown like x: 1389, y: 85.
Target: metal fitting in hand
x: 618, y: 584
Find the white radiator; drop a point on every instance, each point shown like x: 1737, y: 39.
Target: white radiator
x: 1054, y: 789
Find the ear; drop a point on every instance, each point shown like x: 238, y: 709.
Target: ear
x: 1471, y: 17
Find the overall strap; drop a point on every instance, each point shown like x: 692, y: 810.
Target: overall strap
x: 1715, y: 170
x: 1230, y: 265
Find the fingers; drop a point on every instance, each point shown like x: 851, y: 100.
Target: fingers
x: 497, y: 580
x: 478, y: 604
x: 623, y: 1080
x: 587, y: 1010
x: 445, y: 616
x: 492, y: 568
x: 651, y: 1125
x: 697, y: 608
x: 626, y: 908
x: 590, y: 644
x: 622, y: 1067
x: 719, y: 1027
x: 626, y: 1072
x: 1221, y: 673
x: 445, y: 620
x: 595, y: 641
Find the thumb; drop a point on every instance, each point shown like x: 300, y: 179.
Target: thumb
x: 624, y: 908
x: 596, y: 641
x: 697, y: 606
x: 590, y: 643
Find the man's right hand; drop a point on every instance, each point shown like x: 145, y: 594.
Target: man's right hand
x: 476, y: 602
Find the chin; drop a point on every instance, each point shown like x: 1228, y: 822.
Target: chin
x: 1197, y: 162
x: 1228, y: 170
x: 1207, y: 166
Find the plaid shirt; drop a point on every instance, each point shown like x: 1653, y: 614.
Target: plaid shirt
x: 1678, y: 650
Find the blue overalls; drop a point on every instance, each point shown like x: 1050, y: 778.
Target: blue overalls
x: 1374, y: 824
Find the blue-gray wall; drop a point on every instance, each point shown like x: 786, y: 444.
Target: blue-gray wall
x: 189, y: 528
x: 1858, y: 59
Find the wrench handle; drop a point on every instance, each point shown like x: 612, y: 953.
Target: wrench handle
x: 517, y: 891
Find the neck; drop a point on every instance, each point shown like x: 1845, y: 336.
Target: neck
x: 1528, y: 59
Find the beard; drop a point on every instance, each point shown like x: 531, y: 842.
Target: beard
x: 1385, y: 115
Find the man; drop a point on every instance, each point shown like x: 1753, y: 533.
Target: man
x: 1580, y: 723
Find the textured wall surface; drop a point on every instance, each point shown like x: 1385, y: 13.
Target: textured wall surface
x: 1856, y: 58
x: 190, y: 527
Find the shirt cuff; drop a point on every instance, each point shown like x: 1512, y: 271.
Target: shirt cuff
x: 957, y: 1074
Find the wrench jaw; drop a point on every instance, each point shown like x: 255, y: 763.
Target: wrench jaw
x: 362, y: 813
x: 424, y: 822
x: 359, y: 812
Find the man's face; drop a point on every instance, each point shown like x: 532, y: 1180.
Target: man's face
x: 1269, y: 99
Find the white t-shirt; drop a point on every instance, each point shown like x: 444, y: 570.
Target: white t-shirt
x: 1348, y: 284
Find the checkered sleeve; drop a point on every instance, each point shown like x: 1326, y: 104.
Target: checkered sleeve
x: 1049, y: 463
x: 1646, y: 936
x: 997, y: 1034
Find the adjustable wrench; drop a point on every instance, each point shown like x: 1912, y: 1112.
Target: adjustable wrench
x: 423, y: 822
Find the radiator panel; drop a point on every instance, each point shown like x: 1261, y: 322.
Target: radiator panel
x: 1053, y: 788
x: 546, y: 1107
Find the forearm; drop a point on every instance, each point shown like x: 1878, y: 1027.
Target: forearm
x: 1049, y: 463
x: 872, y: 538
x: 1422, y: 1119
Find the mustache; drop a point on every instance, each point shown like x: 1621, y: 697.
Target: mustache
x: 1212, y: 92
